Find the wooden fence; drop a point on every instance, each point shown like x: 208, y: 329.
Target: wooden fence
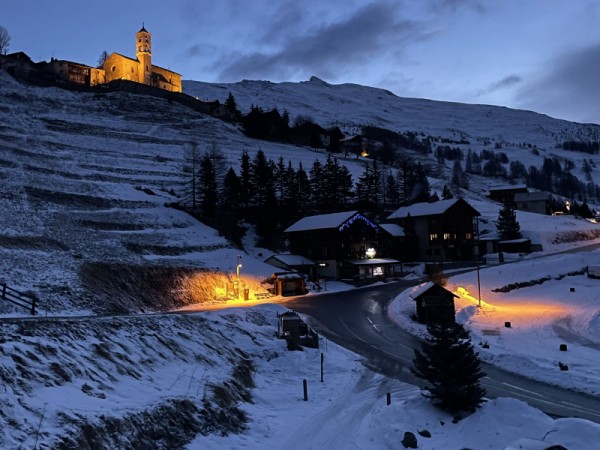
x: 18, y: 298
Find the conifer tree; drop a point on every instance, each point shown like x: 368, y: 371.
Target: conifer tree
x: 245, y: 179
x: 392, y: 195
x: 302, y: 188
x: 208, y: 185
x: 446, y: 193
x: 263, y: 179
x: 449, y: 364
x: 231, y: 105
x: 507, y: 225
x: 231, y: 192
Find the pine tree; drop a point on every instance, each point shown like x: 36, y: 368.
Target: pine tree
x: 446, y: 193
x: 208, y: 185
x: 245, y: 179
x: 507, y: 225
x: 231, y: 192
x: 317, y: 189
x: 231, y: 105
x: 451, y: 367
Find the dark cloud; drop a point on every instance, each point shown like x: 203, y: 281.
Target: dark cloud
x: 505, y: 82
x: 568, y: 87
x: 327, y: 50
x: 439, y: 6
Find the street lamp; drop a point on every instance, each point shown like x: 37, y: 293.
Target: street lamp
x: 238, y: 267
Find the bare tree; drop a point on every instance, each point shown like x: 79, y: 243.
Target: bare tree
x: 4, y: 40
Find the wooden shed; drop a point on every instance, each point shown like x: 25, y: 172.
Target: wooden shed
x: 434, y: 303
x: 288, y: 283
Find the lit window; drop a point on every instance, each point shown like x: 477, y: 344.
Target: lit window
x: 433, y: 236
x: 468, y: 236
x: 446, y: 236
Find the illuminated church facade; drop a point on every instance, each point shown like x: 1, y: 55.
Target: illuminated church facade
x: 115, y: 67
x: 141, y: 70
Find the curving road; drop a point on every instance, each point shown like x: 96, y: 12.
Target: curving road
x: 357, y: 320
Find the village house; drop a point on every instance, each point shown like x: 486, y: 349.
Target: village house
x: 344, y: 245
x: 536, y: 202
x: 506, y: 193
x: 444, y: 230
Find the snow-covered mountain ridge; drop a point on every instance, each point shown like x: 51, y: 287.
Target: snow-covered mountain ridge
x: 352, y: 106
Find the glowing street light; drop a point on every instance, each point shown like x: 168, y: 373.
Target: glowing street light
x: 238, y: 267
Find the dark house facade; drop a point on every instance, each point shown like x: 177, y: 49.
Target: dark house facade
x: 444, y: 230
x: 343, y: 245
x: 506, y: 193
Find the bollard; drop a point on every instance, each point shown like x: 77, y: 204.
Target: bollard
x: 305, y: 386
x: 322, y: 367
x: 572, y: 289
x: 507, y: 324
x: 563, y: 347
x: 389, y: 399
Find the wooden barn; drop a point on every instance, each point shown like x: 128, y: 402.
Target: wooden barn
x: 435, y: 304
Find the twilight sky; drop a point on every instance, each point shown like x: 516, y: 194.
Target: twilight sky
x: 542, y: 55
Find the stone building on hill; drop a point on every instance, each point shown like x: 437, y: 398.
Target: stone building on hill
x: 141, y: 70
x: 115, y: 67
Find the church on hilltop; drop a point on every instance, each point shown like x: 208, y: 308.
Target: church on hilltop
x: 141, y: 70
x: 114, y: 67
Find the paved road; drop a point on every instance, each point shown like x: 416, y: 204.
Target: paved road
x: 357, y: 320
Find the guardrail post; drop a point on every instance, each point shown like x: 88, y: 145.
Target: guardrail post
x: 4, y: 291
x: 33, y: 306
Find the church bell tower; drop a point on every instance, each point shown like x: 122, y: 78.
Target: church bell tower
x: 143, y: 52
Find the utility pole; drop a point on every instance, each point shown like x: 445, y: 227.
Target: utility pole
x: 478, y: 247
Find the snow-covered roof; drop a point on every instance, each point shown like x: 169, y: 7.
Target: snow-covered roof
x: 516, y: 241
x: 424, y: 209
x: 425, y: 287
x: 372, y: 261
x: 393, y: 229
x: 288, y: 276
x: 321, y: 222
x: 507, y: 187
x: 293, y: 260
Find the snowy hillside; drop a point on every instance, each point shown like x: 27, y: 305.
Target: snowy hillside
x: 86, y: 178
x: 351, y: 106
x: 84, y: 225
